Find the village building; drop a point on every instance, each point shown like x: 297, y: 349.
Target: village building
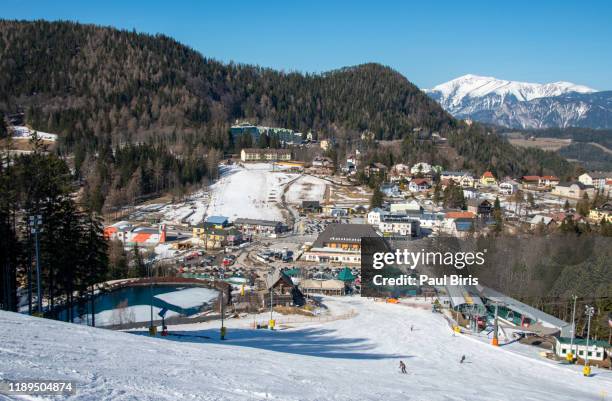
x: 465, y: 180
x: 431, y: 220
x: 595, y: 351
x: 540, y: 220
x: 508, y: 187
x: 269, y: 155
x: 462, y: 227
x: 375, y: 216
x: 352, y: 162
x: 140, y: 235
x: 603, y: 213
x: 216, y: 221
x: 310, y: 206
x: 482, y: 208
x: 403, y: 207
x: 419, y: 185
x: 391, y: 190
x: 399, y: 225
x: 595, y: 179
x: 458, y: 223
x: 399, y: 172
x: 421, y: 168
x: 320, y: 161
x: 326, y: 144
x: 216, y: 238
x: 488, y: 179
x: 282, y: 290
x: 514, y: 312
x: 574, y: 190
x: 322, y: 165
x: 549, y: 181
x: 535, y: 182
x: 258, y: 227
x: 324, y: 287
x: 375, y: 169
x: 470, y: 193
x: 339, y: 243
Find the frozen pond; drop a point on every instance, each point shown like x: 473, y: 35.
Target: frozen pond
x: 132, y: 304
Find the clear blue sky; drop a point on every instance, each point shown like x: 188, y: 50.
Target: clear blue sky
x: 538, y: 40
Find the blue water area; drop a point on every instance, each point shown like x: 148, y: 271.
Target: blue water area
x: 140, y: 295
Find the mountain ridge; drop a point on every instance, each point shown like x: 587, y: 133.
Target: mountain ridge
x: 517, y: 104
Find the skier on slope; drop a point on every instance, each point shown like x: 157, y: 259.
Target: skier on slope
x: 403, y: 367
x: 462, y: 359
x: 411, y: 327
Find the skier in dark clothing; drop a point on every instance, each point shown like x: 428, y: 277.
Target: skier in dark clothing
x: 403, y: 367
x: 462, y: 359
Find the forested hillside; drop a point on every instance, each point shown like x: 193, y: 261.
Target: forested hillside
x: 99, y: 80
x: 145, y: 114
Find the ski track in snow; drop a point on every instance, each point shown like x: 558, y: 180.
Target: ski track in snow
x: 355, y: 359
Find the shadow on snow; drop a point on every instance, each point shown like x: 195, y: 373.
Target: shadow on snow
x: 311, y: 342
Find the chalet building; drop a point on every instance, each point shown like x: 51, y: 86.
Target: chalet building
x: 488, y: 179
x: 481, y: 208
x: 284, y: 291
x: 263, y: 155
x: 339, y: 243
x: 258, y: 227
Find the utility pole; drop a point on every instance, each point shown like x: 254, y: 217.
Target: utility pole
x: 570, y: 355
x: 589, y: 311
x: 35, y: 223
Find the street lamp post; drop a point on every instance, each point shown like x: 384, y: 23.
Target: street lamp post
x: 271, y: 323
x: 152, y: 329
x: 35, y: 223
x: 589, y: 311
x: 570, y: 355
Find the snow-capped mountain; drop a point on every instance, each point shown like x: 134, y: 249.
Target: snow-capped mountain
x: 523, y: 104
